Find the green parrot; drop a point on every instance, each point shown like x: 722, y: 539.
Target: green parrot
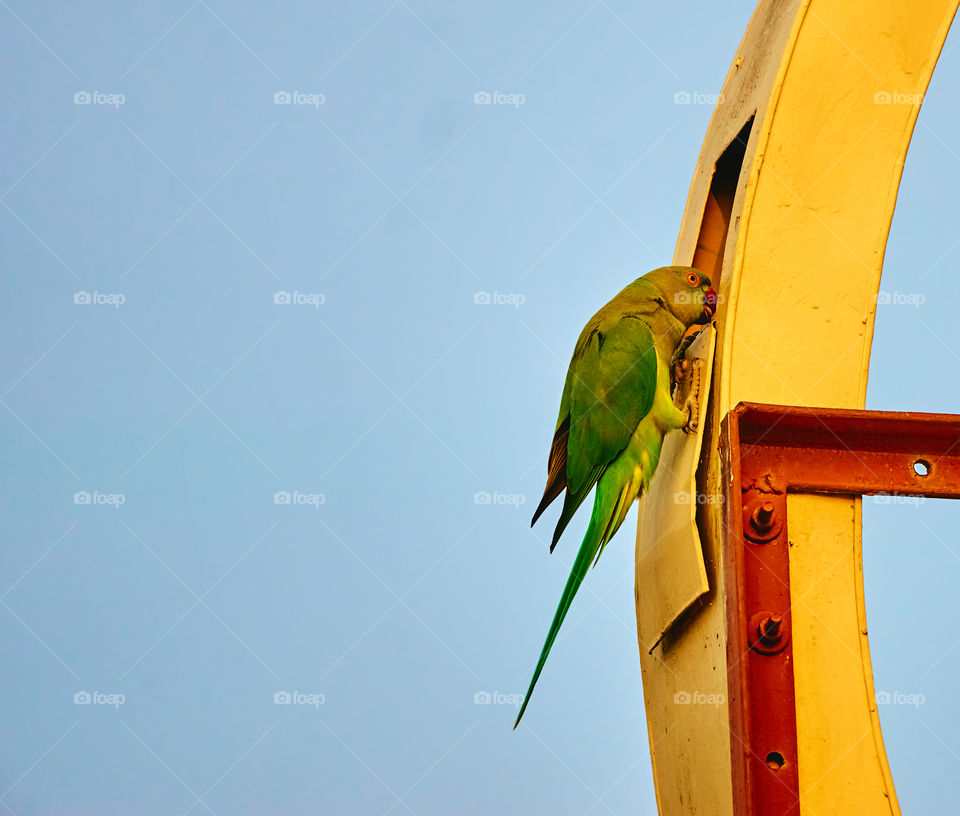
x: 615, y: 409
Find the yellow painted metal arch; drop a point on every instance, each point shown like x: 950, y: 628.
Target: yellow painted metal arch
x: 831, y: 89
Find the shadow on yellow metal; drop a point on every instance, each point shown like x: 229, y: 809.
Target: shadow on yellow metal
x: 789, y: 210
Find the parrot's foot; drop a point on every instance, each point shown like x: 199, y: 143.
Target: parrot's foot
x: 688, y: 393
x: 686, y: 384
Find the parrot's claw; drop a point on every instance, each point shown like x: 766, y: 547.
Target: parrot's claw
x: 682, y: 347
x: 692, y: 409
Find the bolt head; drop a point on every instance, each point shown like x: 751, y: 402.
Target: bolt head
x: 769, y: 629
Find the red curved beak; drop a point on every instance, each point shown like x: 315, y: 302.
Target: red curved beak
x: 709, y: 302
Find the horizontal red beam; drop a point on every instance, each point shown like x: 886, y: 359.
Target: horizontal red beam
x: 835, y: 450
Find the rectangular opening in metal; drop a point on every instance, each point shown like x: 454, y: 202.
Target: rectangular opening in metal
x: 708, y: 257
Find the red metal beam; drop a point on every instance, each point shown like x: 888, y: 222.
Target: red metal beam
x: 768, y: 452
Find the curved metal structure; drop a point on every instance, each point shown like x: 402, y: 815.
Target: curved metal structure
x: 789, y: 208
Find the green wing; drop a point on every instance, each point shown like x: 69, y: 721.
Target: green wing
x: 609, y: 388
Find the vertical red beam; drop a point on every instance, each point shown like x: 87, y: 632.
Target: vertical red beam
x: 769, y: 451
x: 763, y: 721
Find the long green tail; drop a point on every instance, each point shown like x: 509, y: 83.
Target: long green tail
x: 597, y: 532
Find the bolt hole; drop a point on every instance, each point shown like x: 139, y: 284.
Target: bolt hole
x: 921, y: 467
x: 775, y: 760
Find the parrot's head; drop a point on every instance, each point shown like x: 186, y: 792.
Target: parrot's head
x: 687, y: 293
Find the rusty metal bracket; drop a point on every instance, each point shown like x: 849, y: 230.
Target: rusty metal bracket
x: 768, y: 452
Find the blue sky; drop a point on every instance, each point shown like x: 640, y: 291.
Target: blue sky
x: 361, y: 295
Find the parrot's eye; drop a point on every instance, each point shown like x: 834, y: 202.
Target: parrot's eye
x: 693, y: 278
